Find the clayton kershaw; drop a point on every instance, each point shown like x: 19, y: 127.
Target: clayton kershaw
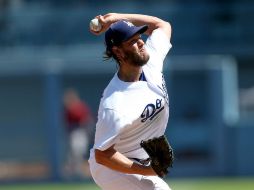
x: 134, y: 105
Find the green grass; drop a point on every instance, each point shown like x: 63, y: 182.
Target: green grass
x: 53, y: 186
x: 213, y: 184
x: 175, y: 184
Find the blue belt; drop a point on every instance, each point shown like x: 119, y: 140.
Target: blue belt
x: 142, y: 161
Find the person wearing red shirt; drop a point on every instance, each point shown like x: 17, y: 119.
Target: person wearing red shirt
x: 78, y: 121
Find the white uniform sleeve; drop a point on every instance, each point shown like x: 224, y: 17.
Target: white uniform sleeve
x: 108, y: 127
x: 158, y: 45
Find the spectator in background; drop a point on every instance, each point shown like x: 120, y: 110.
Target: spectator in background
x: 78, y: 124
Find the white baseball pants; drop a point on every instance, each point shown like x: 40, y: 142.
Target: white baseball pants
x: 108, y: 179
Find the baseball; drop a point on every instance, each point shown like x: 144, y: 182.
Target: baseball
x: 95, y: 25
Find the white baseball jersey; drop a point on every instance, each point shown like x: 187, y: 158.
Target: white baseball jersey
x: 133, y: 111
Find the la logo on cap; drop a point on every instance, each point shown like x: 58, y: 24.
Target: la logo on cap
x: 128, y: 23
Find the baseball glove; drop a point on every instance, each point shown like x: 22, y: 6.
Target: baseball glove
x: 160, y: 153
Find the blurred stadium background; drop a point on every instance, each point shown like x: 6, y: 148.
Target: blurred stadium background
x: 46, y: 47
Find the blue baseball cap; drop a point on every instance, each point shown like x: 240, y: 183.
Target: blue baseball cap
x: 121, y: 31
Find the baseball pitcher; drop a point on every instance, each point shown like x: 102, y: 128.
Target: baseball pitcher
x: 130, y: 150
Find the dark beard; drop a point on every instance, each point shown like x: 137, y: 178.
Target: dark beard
x: 135, y: 59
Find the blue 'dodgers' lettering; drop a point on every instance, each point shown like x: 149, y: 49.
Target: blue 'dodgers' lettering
x: 151, y: 110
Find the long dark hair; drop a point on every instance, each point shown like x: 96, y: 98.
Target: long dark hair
x: 108, y: 54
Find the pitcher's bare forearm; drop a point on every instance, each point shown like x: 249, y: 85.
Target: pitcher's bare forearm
x: 117, y: 161
x: 137, y: 19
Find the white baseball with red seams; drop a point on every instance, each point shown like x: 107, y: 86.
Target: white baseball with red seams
x: 95, y: 25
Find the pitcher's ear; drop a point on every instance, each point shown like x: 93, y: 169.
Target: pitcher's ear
x: 115, y: 50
